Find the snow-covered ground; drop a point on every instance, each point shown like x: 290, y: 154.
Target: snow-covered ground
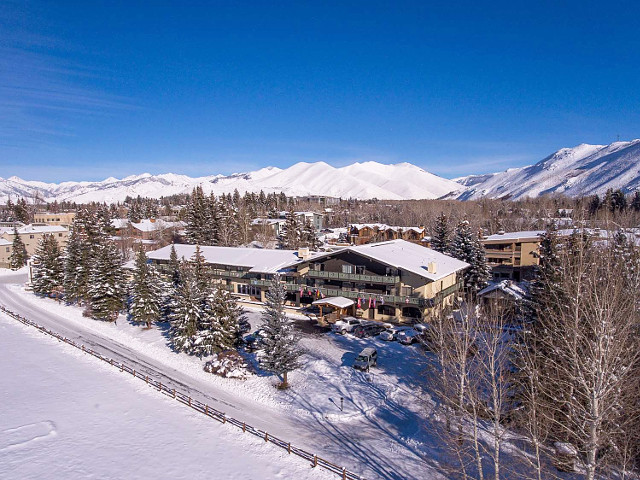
x: 67, y: 415
x: 383, y: 431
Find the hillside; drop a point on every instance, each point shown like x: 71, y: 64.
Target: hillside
x: 578, y: 171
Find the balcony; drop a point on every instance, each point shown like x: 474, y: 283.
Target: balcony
x: 355, y: 277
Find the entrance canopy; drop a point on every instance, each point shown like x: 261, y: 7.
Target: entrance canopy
x: 335, y: 302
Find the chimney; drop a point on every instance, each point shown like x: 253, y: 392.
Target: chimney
x: 431, y: 267
x: 303, y: 253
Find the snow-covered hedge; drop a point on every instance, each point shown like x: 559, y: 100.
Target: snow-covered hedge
x: 228, y: 364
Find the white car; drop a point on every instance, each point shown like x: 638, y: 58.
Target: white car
x: 391, y: 333
x: 421, y: 327
x: 345, y: 325
x: 409, y: 336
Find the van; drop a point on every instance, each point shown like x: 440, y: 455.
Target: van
x: 367, y: 358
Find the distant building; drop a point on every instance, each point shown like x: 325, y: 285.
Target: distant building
x: 61, y: 218
x: 320, y: 200
x: 361, y: 233
x: 30, y: 236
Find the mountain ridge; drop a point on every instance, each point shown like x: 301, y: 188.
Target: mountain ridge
x: 577, y: 171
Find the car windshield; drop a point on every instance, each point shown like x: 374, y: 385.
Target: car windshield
x: 361, y: 358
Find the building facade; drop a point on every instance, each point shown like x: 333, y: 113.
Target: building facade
x: 392, y: 281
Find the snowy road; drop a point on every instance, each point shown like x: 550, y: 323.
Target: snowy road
x: 382, y: 445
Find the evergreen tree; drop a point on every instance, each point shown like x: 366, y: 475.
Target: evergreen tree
x: 187, y: 312
x: 198, y: 218
x: 594, y: 205
x: 174, y: 266
x: 441, y: 234
x: 309, y: 237
x: 281, y: 351
x: 146, y: 292
x: 200, y: 271
x: 106, y: 290
x: 290, y: 233
x: 48, y: 267
x: 18, y: 257
x: 635, y: 202
x: 466, y: 246
x: 75, y: 274
x: 218, y: 327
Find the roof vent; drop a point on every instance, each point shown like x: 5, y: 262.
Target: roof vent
x: 431, y: 267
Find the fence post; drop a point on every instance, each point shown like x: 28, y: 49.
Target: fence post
x: 134, y: 372
x: 189, y: 401
x: 174, y: 393
x: 146, y: 379
x: 159, y: 386
x: 289, y: 448
x: 224, y: 418
x: 315, y: 460
x: 344, y: 473
x: 266, y: 437
x: 206, y: 409
x: 244, y: 427
x: 121, y: 367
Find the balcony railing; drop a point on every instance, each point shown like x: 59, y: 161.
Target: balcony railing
x: 355, y: 277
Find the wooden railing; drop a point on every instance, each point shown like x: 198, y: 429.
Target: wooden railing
x: 195, y: 404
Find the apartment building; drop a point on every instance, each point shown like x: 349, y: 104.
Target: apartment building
x: 392, y: 281
x: 49, y: 218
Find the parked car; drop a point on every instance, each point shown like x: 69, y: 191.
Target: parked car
x: 421, y: 327
x: 367, y: 358
x: 368, y: 330
x: 391, y: 333
x: 409, y: 336
x: 347, y: 324
x: 255, y: 340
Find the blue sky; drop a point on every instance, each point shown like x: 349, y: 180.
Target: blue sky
x: 96, y: 89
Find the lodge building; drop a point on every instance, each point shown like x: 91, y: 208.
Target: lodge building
x: 392, y: 281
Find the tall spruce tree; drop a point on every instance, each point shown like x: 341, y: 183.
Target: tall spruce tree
x: 107, y: 289
x: 48, y: 266
x: 18, y: 257
x: 441, y: 234
x: 218, y: 327
x: 146, y: 292
x: 466, y: 246
x: 187, y: 311
x: 290, y: 233
x: 281, y: 351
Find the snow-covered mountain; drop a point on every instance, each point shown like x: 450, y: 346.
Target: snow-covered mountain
x: 582, y: 170
x: 359, y: 180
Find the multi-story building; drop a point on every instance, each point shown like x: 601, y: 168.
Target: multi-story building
x: 31, y: 235
x: 5, y: 252
x: 361, y: 233
x: 61, y: 218
x: 392, y: 281
x: 512, y: 255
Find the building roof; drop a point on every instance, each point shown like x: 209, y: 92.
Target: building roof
x: 255, y: 259
x: 533, y: 235
x: 147, y: 225
x: 4, y: 242
x: 506, y: 286
x: 338, y: 302
x: 26, y: 229
x: 383, y: 227
x: 409, y: 257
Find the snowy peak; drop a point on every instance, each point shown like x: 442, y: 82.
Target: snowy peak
x: 361, y: 180
x: 578, y: 171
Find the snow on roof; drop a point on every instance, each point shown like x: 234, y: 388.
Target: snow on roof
x: 4, y: 242
x: 408, y: 256
x: 147, y: 225
x: 384, y: 226
x: 40, y: 229
x: 505, y: 286
x: 119, y: 223
x: 267, y: 221
x: 515, y: 236
x: 338, y: 302
x: 255, y: 259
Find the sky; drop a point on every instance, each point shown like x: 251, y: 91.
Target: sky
x: 95, y: 89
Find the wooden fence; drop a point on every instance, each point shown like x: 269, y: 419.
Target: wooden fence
x: 196, y: 405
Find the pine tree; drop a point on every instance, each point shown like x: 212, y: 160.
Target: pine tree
x: 466, y: 246
x: 199, y: 219
x: 146, y: 292
x: 200, y: 270
x: 281, y: 351
x: 308, y: 236
x: 18, y: 257
x: 187, y: 312
x: 106, y: 290
x: 75, y: 275
x: 290, y: 234
x: 48, y: 267
x: 441, y: 234
x: 174, y: 265
x: 635, y: 202
x: 218, y: 327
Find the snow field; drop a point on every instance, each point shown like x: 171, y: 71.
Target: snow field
x: 68, y: 415
x: 383, y: 431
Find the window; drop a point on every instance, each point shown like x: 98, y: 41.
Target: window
x: 406, y: 291
x: 386, y: 310
x: 59, y: 234
x: 7, y: 249
x: 31, y: 237
x: 246, y: 289
x: 360, y: 269
x: 347, y: 268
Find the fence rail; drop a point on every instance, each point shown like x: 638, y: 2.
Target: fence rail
x: 195, y: 404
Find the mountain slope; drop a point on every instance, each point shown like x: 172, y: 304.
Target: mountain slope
x: 582, y: 170
x: 360, y: 180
